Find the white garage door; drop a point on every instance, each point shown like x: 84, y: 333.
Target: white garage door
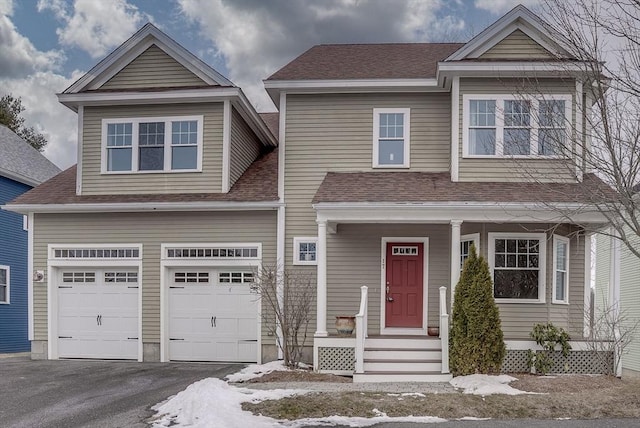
x: 98, y: 313
x: 212, y: 315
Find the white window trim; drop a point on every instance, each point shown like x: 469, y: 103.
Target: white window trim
x: 407, y: 136
x: 564, y: 240
x: 542, y: 264
x: 135, y: 121
x: 296, y: 250
x: 8, y: 269
x: 499, y: 99
x: 475, y: 237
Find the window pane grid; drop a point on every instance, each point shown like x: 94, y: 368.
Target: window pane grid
x: 516, y: 268
x: 4, y: 286
x: 551, y: 135
x: 391, y: 139
x: 213, y: 253
x: 482, y: 128
x: 235, y: 277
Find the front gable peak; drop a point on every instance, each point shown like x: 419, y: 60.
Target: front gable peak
x: 518, y: 35
x: 144, y: 50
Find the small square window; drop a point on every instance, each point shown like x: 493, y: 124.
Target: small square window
x: 305, y: 251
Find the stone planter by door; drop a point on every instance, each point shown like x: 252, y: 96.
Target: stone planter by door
x: 345, y: 324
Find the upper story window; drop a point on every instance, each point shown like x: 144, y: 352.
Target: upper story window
x: 512, y: 126
x: 168, y: 144
x: 391, y: 138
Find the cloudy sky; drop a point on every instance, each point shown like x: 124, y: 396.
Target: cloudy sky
x: 45, y: 45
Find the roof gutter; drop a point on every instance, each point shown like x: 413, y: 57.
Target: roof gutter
x: 142, y: 207
x: 19, y: 177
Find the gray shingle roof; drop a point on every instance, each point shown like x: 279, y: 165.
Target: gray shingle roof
x: 21, y: 162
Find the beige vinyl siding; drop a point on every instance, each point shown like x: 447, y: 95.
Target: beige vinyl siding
x: 630, y: 301
x: 517, y: 45
x: 518, y: 318
x: 151, y: 230
x: 334, y: 132
x: 153, y: 69
x: 245, y: 147
x: 353, y: 260
x: 207, y: 181
x: 509, y: 169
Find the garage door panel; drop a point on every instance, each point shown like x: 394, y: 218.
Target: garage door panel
x: 214, y: 321
x: 97, y: 319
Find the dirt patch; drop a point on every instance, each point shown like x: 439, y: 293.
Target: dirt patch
x: 618, y: 399
x: 300, y: 376
x: 565, y: 383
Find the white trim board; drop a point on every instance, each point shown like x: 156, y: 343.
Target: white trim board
x: 143, y: 207
x: 425, y: 287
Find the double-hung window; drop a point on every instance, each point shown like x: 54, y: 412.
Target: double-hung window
x: 517, y: 263
x: 391, y: 137
x: 560, y: 269
x: 4, y: 284
x: 515, y: 126
x: 169, y: 144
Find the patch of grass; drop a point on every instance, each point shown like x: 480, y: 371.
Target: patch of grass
x: 620, y: 401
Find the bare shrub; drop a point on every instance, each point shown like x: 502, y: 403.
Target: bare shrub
x: 286, y: 308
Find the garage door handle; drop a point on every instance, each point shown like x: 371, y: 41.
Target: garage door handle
x: 171, y: 338
x: 213, y: 321
x: 132, y: 338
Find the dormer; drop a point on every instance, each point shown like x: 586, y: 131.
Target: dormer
x: 153, y: 118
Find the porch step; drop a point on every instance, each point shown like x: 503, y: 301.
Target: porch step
x: 429, y: 376
x: 401, y: 354
x: 402, y: 366
x: 403, y: 342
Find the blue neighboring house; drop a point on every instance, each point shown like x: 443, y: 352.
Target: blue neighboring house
x: 21, y: 168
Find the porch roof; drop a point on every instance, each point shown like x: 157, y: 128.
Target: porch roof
x: 421, y: 187
x: 416, y: 197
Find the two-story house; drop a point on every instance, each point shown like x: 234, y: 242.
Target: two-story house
x: 21, y: 168
x: 392, y: 160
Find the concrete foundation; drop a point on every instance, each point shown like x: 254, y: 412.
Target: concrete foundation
x: 151, y: 352
x: 39, y: 350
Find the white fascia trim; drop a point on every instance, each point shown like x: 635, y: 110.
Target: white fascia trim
x: 282, y: 144
x: 246, y: 110
x: 443, y: 212
x: 455, y: 128
x: 143, y: 206
x: 18, y: 177
x: 350, y: 83
x: 517, y: 13
x: 153, y: 97
x: 129, y: 50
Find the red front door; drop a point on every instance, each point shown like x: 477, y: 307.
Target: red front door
x: 403, y: 306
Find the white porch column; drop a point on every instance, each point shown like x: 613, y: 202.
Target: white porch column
x: 321, y: 249
x: 455, y: 255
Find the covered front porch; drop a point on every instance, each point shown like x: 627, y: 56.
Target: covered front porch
x: 394, y: 267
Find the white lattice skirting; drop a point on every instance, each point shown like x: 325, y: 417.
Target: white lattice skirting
x: 578, y: 362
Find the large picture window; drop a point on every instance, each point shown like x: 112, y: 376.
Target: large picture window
x: 518, y: 265
x: 512, y: 126
x: 169, y: 144
x: 391, y: 138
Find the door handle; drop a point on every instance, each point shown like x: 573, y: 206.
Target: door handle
x: 100, y: 319
x: 214, y: 321
x: 211, y: 321
x: 97, y: 319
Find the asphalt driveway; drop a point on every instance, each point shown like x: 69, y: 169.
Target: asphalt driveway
x: 87, y: 393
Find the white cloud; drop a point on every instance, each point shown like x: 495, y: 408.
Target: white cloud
x: 18, y: 56
x: 256, y: 37
x: 95, y: 26
x: 500, y: 7
x: 44, y: 112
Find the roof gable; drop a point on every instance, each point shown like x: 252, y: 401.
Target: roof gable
x: 511, y: 28
x: 517, y: 46
x: 153, y: 68
x: 133, y: 48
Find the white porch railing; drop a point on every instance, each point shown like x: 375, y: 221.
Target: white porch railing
x: 444, y: 330
x: 361, y: 329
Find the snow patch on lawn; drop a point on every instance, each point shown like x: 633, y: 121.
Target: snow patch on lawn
x: 253, y: 371
x: 359, y: 421
x: 214, y: 403
x: 480, y: 384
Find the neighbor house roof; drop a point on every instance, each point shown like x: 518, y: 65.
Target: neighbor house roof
x: 367, y: 61
x: 259, y: 183
x: 19, y: 161
x: 415, y: 187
